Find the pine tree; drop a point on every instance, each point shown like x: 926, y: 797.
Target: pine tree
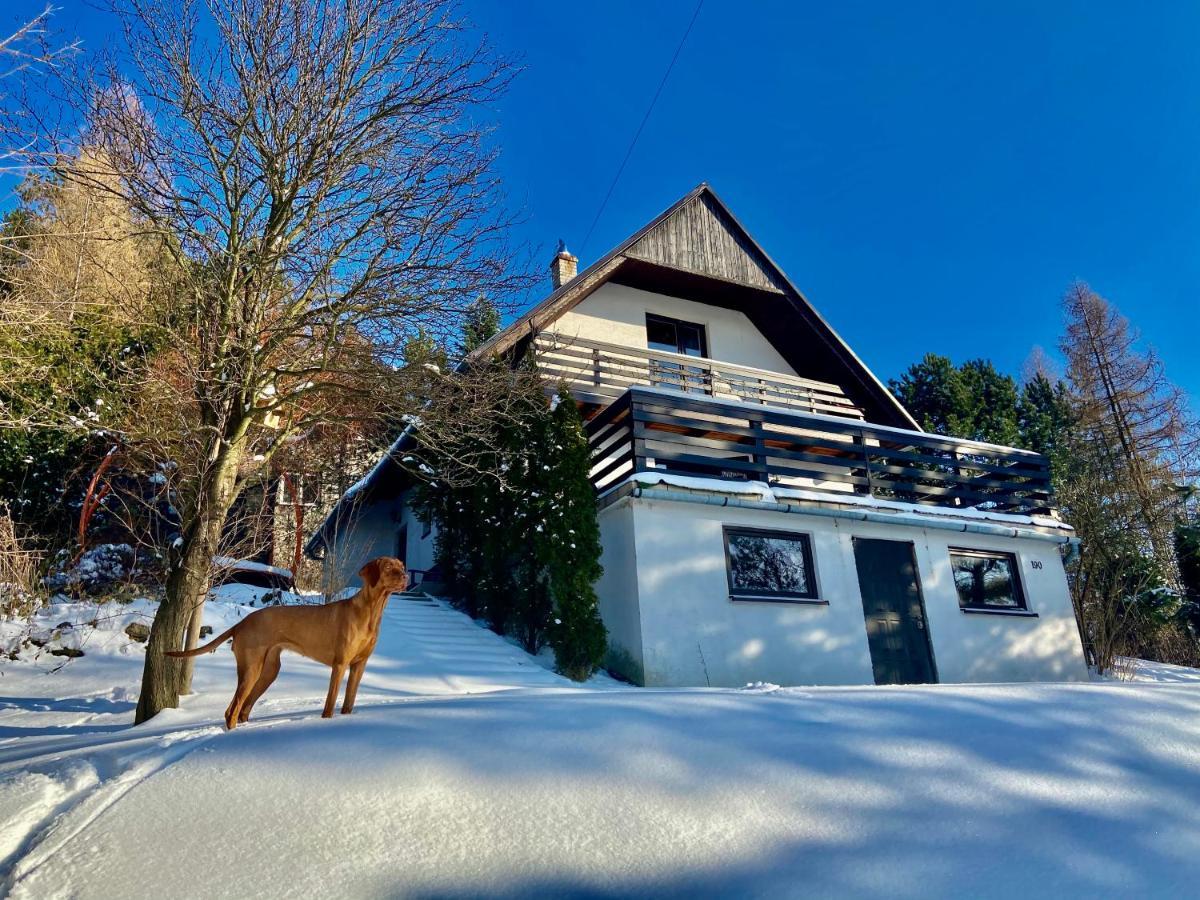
x: 482, y: 323
x: 1044, y: 417
x: 1187, y: 551
x: 934, y: 393
x: 991, y: 413
x: 423, y: 349
x: 971, y: 401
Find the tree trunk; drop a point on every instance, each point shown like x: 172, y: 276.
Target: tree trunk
x: 164, y: 679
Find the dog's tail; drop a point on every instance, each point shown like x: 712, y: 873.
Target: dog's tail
x: 207, y: 648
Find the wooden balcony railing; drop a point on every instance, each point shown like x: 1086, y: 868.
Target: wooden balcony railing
x: 648, y: 430
x: 607, y: 370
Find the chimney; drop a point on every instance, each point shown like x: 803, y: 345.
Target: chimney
x: 564, y: 265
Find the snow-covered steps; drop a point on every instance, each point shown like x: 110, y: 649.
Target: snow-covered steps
x: 427, y: 647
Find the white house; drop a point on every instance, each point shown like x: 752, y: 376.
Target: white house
x: 768, y: 510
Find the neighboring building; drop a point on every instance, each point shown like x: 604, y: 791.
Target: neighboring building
x: 768, y: 510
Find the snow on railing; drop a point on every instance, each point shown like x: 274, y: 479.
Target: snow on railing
x: 654, y: 430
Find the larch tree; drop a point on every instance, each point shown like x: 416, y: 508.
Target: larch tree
x: 83, y: 286
x: 320, y: 175
x: 1134, y: 419
x: 1131, y: 445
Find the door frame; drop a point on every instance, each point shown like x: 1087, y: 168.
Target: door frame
x: 402, y: 543
x: 912, y: 549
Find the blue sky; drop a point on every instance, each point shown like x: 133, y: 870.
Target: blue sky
x: 932, y: 176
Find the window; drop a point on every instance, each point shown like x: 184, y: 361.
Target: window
x: 769, y: 565
x: 310, y: 489
x: 674, y: 336
x: 987, y: 580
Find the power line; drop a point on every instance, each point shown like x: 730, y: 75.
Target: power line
x: 637, y: 134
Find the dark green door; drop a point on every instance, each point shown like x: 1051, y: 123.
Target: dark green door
x: 895, y: 615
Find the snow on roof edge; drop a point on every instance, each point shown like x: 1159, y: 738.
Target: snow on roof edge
x: 249, y: 565
x: 778, y: 494
x: 356, y: 488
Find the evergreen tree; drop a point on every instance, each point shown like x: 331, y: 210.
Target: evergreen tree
x: 423, y: 349
x: 1044, y: 417
x: 934, y: 393
x: 518, y: 538
x: 991, y: 412
x: 1187, y: 551
x: 482, y: 324
x: 573, y: 552
x: 969, y: 401
x: 81, y: 284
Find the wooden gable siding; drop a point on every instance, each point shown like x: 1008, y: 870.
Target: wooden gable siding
x: 699, y: 237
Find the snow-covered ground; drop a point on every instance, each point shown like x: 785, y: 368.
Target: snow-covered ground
x: 470, y: 769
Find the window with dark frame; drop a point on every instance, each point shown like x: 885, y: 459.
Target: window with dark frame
x: 677, y: 336
x: 769, y: 565
x: 987, y: 580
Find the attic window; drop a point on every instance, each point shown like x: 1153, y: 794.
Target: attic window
x: 675, y: 336
x: 685, y: 338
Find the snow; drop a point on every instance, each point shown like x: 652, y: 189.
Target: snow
x: 779, y: 494
x: 1144, y: 670
x: 247, y: 565
x: 96, y: 570
x: 469, y: 769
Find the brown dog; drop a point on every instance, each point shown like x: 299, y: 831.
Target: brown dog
x: 340, y: 635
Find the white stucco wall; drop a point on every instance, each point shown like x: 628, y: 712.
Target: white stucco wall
x: 420, y: 547
x: 693, y: 634
x: 374, y: 530
x: 617, y: 592
x: 370, y: 531
x: 617, y: 314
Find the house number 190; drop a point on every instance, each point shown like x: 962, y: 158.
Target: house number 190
x: 1035, y: 564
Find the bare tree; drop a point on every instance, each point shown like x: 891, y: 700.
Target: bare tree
x: 1132, y: 443
x: 29, y: 47
x: 318, y: 175
x: 1130, y: 413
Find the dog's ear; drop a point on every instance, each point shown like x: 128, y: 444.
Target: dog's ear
x: 370, y: 573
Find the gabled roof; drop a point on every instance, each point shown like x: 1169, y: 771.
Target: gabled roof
x: 697, y: 249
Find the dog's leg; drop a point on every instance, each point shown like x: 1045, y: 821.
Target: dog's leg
x: 335, y: 681
x: 231, y: 709
x: 270, y: 672
x: 356, y: 674
x: 248, y: 672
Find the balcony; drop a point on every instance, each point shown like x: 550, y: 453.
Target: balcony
x: 602, y: 372
x: 649, y: 429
